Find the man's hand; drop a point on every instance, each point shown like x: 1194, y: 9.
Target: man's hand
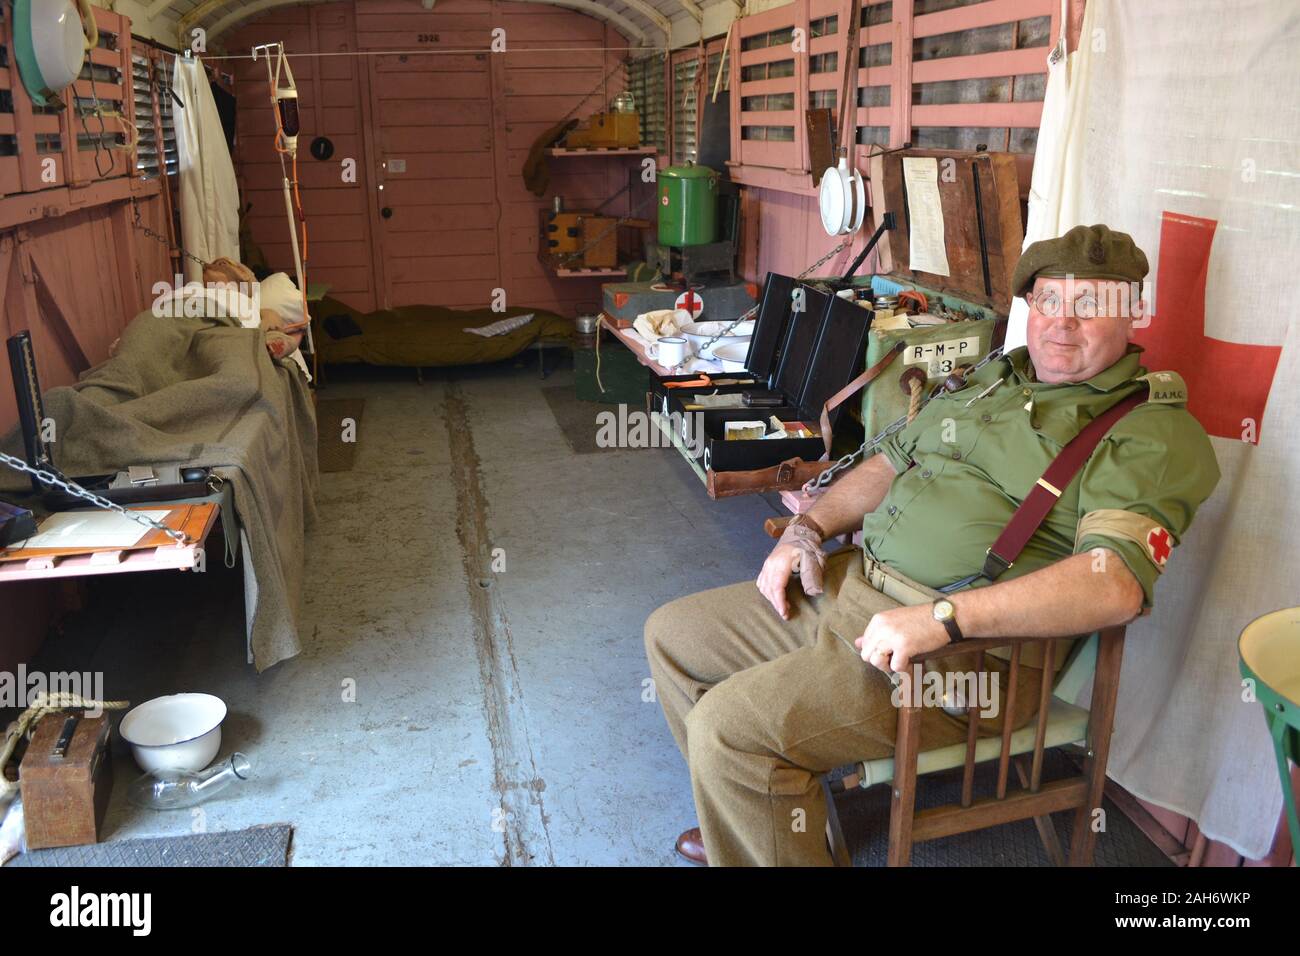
x: 798, y: 551
x: 893, y: 637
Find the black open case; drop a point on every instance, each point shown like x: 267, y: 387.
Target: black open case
x: 801, y: 355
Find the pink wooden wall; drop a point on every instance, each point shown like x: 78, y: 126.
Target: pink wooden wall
x: 784, y: 229
x: 77, y: 230
x: 462, y: 222
x: 473, y: 225
x: 100, y: 270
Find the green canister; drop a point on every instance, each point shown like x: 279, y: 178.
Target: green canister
x: 688, y: 205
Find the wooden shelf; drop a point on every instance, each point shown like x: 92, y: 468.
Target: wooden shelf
x: 564, y: 272
x: 560, y: 273
x: 601, y: 151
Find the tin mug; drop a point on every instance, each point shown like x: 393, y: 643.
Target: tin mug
x: 672, y: 350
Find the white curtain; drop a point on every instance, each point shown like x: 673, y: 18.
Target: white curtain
x: 209, y: 196
x: 1180, y: 128
x: 1052, y: 200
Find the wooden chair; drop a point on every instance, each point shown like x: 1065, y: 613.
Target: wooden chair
x: 1059, y: 722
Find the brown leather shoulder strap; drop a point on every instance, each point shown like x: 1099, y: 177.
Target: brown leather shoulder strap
x: 1043, y: 495
x: 851, y: 389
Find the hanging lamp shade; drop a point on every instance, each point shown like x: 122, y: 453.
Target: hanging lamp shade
x: 50, y: 44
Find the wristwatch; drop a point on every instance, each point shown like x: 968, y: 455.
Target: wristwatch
x: 946, y: 615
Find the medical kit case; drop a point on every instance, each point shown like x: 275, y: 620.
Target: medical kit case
x: 798, y: 356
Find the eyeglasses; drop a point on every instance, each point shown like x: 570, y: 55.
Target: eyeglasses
x: 1049, y: 302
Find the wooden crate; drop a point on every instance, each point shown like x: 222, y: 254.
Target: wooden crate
x: 64, y: 797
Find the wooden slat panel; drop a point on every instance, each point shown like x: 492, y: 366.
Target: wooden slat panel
x: 444, y: 269
x: 420, y: 194
x: 443, y: 63
x: 784, y: 84
x: 535, y: 28
x: 1002, y: 63
x: 11, y: 180
x: 438, y: 20
x: 105, y: 91
x: 1027, y: 114
x: 978, y: 15
x: 778, y: 155
x: 874, y: 116
x: 454, y: 139
x: 436, y: 244
x: 448, y: 86
x: 519, y: 60
x: 425, y: 113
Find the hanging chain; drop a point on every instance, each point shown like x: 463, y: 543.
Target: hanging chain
x: 138, y: 223
x: 848, y: 461
x: 709, y: 343
x: 56, y: 480
x: 752, y: 313
x: 826, y: 258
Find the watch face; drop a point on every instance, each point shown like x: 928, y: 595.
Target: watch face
x: 943, y: 610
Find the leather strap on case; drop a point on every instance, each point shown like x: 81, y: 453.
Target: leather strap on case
x: 851, y: 389
x: 790, y: 475
x: 1043, y: 495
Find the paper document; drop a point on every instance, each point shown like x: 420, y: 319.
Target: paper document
x: 925, y: 216
x: 89, y: 530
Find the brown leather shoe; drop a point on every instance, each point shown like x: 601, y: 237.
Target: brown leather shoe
x: 691, y: 846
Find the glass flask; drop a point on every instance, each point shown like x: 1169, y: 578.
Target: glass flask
x: 177, y: 789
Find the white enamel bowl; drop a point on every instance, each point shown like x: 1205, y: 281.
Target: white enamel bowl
x: 697, y: 333
x: 842, y: 199
x: 176, y: 732
x: 732, y: 356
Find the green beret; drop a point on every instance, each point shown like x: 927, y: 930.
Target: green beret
x: 1085, y: 252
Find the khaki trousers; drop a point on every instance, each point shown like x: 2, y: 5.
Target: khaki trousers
x: 762, y: 707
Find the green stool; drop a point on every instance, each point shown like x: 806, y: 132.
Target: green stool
x: 1270, y: 657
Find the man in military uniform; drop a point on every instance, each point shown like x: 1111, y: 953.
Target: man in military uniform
x: 766, y: 689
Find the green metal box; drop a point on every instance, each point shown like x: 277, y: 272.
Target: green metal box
x: 938, y: 349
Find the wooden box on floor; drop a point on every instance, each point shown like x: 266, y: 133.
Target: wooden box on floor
x: 64, y: 797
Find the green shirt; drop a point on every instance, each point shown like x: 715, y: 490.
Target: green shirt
x: 966, y: 462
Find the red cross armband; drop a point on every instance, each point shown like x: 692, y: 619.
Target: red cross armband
x: 1156, y: 542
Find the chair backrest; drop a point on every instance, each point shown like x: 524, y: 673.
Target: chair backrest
x: 1078, y: 671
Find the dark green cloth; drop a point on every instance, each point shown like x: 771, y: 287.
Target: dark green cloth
x: 965, y: 466
x: 1085, y: 252
x: 416, y: 336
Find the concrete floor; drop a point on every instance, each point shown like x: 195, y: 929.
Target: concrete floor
x: 499, y: 717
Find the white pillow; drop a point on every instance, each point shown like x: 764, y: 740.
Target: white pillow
x: 279, y: 294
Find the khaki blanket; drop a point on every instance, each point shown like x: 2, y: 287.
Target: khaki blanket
x: 427, y: 336
x: 198, y: 391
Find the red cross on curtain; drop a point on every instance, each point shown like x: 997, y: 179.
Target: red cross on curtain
x: 1227, y: 382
